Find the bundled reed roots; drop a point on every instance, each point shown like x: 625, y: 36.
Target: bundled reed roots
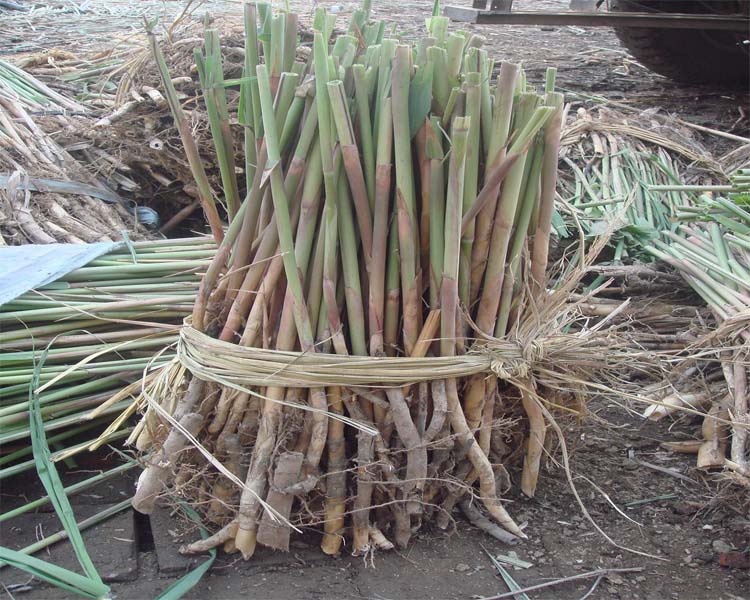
x: 380, y: 287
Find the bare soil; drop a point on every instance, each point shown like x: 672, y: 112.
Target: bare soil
x: 682, y: 520
x: 678, y: 518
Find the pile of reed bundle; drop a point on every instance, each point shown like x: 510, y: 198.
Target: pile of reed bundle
x: 610, y: 163
x: 46, y: 195
x: 122, y: 133
x: 710, y: 248
x: 97, y: 332
x: 373, y: 340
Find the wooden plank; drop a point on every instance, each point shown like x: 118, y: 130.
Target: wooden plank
x: 495, y: 5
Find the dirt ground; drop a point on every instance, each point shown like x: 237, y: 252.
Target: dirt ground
x: 669, y: 512
x: 672, y: 517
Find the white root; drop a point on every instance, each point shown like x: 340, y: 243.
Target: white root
x: 476, y: 518
x: 537, y: 433
x: 674, y: 402
x: 379, y: 540
x: 152, y: 481
x: 224, y: 535
x: 713, y: 451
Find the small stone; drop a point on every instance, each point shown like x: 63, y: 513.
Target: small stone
x: 721, y: 546
x: 736, y: 560
x: 462, y: 567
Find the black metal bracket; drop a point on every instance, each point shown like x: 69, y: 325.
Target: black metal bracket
x: 597, y: 19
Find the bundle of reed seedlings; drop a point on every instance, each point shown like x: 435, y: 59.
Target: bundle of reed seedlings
x: 97, y: 328
x: 27, y: 87
x: 736, y: 189
x: 711, y: 249
x: 615, y: 178
x: 388, y: 242
x: 73, y: 354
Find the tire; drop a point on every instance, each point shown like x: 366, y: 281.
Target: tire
x: 689, y: 55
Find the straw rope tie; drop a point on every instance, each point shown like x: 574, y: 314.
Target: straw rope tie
x: 531, y: 353
x: 509, y: 370
x: 511, y: 360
